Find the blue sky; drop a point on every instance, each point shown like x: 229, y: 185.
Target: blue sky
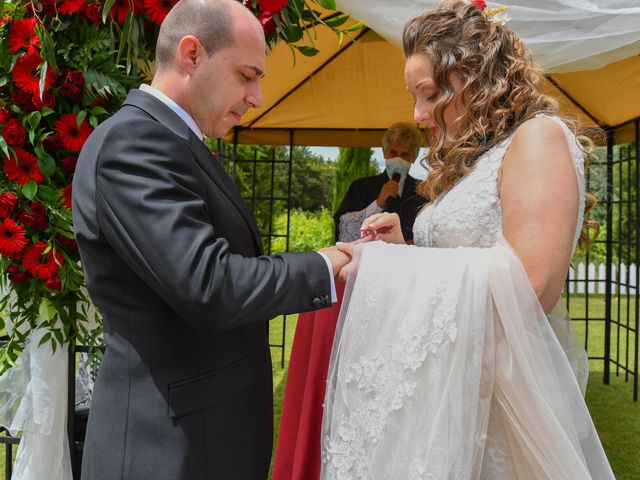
x: 332, y: 153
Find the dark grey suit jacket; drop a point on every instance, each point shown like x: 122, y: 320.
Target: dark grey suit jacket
x: 172, y: 259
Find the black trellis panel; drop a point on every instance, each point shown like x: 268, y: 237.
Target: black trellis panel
x: 619, y: 176
x: 259, y: 180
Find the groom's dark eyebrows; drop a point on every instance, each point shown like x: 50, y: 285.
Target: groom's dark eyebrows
x: 259, y: 71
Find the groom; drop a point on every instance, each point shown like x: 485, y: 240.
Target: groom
x: 173, y: 260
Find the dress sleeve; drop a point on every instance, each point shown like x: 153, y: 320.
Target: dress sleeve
x: 350, y: 222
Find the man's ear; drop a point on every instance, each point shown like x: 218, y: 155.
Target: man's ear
x: 190, y: 52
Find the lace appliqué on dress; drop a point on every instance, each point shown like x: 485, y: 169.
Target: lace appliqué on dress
x: 385, y: 380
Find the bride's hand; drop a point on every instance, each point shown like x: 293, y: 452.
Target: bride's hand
x: 383, y: 226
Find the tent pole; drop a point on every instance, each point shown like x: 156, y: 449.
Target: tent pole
x: 609, y: 257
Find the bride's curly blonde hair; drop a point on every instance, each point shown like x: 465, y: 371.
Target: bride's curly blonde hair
x: 499, y: 89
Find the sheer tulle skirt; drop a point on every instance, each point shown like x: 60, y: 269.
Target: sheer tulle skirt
x: 444, y: 366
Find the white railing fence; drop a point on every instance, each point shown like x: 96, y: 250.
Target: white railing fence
x: 591, y: 278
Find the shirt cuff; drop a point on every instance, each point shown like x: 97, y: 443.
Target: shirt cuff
x: 334, y: 295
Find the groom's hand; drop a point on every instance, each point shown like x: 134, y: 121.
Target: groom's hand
x: 349, y: 249
x: 337, y: 258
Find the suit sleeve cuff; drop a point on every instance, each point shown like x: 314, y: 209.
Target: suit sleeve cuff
x: 334, y: 295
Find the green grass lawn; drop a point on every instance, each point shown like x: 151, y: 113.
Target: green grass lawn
x: 615, y: 415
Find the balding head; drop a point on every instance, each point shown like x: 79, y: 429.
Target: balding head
x: 210, y: 21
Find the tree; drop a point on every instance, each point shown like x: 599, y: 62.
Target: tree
x: 312, y: 183
x: 352, y: 164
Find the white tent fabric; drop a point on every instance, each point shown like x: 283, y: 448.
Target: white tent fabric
x: 563, y: 35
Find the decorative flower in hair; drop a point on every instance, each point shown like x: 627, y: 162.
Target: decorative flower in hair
x: 498, y: 14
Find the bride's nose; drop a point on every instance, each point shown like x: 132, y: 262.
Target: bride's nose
x: 421, y: 115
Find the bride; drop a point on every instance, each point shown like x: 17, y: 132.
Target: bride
x: 445, y: 362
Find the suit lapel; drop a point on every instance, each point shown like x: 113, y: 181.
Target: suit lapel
x: 167, y: 117
x: 214, y: 170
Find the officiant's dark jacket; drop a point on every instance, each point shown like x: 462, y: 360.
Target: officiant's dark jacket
x: 365, y: 190
x: 172, y: 259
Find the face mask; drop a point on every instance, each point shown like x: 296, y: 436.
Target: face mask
x: 397, y: 165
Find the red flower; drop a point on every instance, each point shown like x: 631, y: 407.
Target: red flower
x: 22, y: 167
x: 71, y: 91
x: 8, y: 202
x: 70, y: 243
x: 14, y: 133
x: 72, y: 137
x: 52, y: 142
x: 98, y: 102
x: 44, y: 265
x: 120, y: 10
x: 49, y: 8
x: 23, y: 36
x: 12, y: 239
x: 25, y: 74
x: 69, y: 164
x: 481, y: 4
x: 93, y: 12
x: 267, y: 22
x: 54, y: 283
x: 36, y: 218
x: 271, y: 7
x: 66, y: 196
x: 48, y: 100
x: 69, y: 7
x: 158, y: 9
x: 75, y: 77
x: 16, y: 274
x: 23, y: 100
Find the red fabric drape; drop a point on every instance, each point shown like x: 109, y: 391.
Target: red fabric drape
x: 298, y: 449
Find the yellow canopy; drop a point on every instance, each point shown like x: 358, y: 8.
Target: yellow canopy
x: 348, y: 95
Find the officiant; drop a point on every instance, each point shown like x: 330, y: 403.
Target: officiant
x: 395, y: 190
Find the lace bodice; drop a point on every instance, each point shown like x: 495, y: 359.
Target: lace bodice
x: 470, y: 214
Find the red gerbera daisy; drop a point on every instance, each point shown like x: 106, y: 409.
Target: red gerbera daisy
x: 66, y: 196
x: 158, y: 9
x: 22, y: 167
x: 271, y: 7
x: 23, y: 36
x: 12, y: 239
x: 481, y: 4
x: 44, y: 265
x: 26, y: 75
x: 69, y: 7
x: 72, y: 137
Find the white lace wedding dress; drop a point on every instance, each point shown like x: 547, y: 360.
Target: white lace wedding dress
x: 444, y: 364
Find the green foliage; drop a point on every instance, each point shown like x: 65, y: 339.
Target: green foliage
x: 352, y: 164
x: 262, y: 176
x: 308, y: 231
x: 297, y: 21
x: 312, y: 183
